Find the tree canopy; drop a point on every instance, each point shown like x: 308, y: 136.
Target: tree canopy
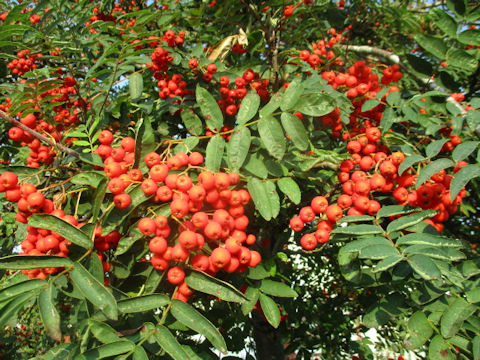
x: 239, y: 179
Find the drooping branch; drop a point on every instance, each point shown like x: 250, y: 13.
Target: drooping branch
x: 37, y: 135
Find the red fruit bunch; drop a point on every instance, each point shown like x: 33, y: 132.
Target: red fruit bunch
x: 360, y: 85
x: 207, y: 223
x: 24, y: 63
x: 322, y: 51
x: 373, y: 169
x: 46, y: 242
x: 65, y: 116
x: 117, y: 162
x: 28, y: 198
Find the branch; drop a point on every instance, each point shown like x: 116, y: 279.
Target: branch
x: 369, y: 50
x: 37, y: 135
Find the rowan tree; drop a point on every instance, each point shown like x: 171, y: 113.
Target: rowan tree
x: 266, y: 180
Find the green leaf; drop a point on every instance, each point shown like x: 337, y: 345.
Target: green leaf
x: 434, y: 148
x: 99, y: 195
x: 144, y: 143
x: 427, y: 239
x: 270, y: 309
x: 276, y: 288
x: 107, y: 350
x: 59, y: 352
x: 461, y: 59
x: 434, y: 252
x: 90, y: 178
x: 444, y: 21
x: 463, y: 151
x: 462, y: 178
x: 192, y: 122
x: 169, y: 343
x: 387, y: 119
x: 214, y: 153
x: 140, y: 353
x: 259, y: 272
x: 207, y: 284
x: 273, y: 198
x: 103, y: 332
x: 61, y: 227
x: 292, y: 94
x: 92, y: 159
x: 238, y: 147
x: 419, y: 330
x: 452, y: 319
x: 393, y: 210
x: 358, y: 245
x: 469, y: 37
x: 431, y: 169
x: 315, y: 104
x: 208, y: 106
x: 290, y: 188
x: 22, y: 287
x: 393, y: 98
x: 192, y: 319
x: 49, y: 312
x: 255, y: 164
x: 186, y: 145
x: 424, y: 266
x: 375, y: 316
x: 362, y: 229
x: 432, y: 44
x: 249, y: 108
x: 409, y: 220
x: 271, y: 106
x: 252, y: 294
x: 476, y: 348
x: 266, y: 200
x: 272, y: 136
x: 356, y: 218
x: 473, y: 296
x: 23, y: 262
x: 409, y: 161
x: 295, y: 130
x: 439, y: 349
x: 378, y: 252
x: 387, y: 263
x: 370, y: 104
x: 142, y: 303
x: 135, y: 85
x: 94, y: 291
x: 425, y: 293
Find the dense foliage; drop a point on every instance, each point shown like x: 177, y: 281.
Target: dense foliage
x: 266, y: 180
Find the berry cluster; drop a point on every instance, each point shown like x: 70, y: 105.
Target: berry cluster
x: 35, y: 19
x: 38, y: 241
x: 206, y: 211
x: 65, y: 115
x: 360, y: 84
x: 117, y: 162
x: 232, y: 96
x: 24, y: 63
x: 30, y: 200
x: 373, y: 169
x: 322, y: 51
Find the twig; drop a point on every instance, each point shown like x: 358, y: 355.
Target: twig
x: 37, y: 135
